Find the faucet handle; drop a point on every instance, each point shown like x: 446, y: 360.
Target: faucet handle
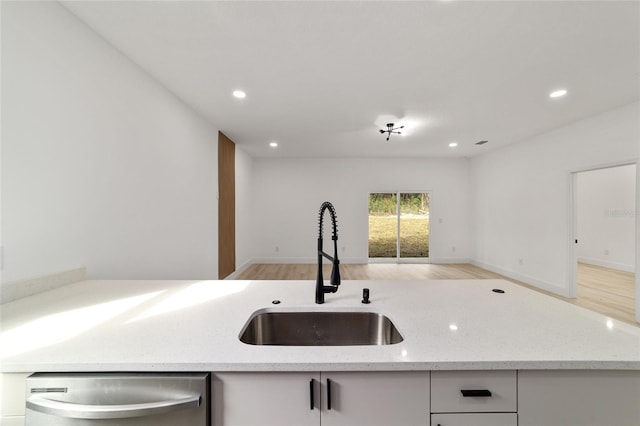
x: 335, y: 274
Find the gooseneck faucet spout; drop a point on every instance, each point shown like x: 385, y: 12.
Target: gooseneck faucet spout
x: 321, y: 289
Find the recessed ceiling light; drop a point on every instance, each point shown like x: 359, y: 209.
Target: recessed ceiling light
x: 558, y: 93
x: 453, y: 144
x: 239, y: 94
x: 273, y: 144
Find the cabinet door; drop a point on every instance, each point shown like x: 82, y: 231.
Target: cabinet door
x: 579, y: 398
x: 12, y: 393
x: 398, y: 398
x: 12, y: 421
x: 12, y: 398
x: 475, y: 419
x: 265, y: 399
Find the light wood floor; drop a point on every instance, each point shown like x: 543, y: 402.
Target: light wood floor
x: 606, y: 291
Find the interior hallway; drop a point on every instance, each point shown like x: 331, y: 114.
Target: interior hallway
x: 606, y: 291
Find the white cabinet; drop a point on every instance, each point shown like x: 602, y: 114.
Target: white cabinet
x: 475, y: 419
x: 406, y: 398
x: 265, y: 399
x: 579, y: 398
x: 12, y: 398
x: 12, y: 421
x: 300, y: 399
x: 376, y: 398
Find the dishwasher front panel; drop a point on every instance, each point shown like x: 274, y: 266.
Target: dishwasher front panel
x: 118, y: 399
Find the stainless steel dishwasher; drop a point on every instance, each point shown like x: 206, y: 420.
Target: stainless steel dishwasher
x: 131, y: 399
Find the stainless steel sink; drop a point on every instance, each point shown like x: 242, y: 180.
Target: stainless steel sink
x: 320, y: 329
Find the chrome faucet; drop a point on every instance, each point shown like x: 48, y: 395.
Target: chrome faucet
x: 321, y: 289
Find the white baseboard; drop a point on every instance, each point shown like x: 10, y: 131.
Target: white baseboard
x: 543, y: 285
x: 18, y: 289
x: 607, y: 264
x: 295, y: 260
x: 442, y: 260
x: 449, y: 260
x: 354, y: 260
x: 298, y: 260
x: 345, y: 261
x: 239, y: 270
x: 286, y: 260
x: 434, y: 260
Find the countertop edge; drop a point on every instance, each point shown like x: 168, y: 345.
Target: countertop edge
x: 302, y: 367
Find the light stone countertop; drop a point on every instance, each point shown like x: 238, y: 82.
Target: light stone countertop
x: 128, y: 325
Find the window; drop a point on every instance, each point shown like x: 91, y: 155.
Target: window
x: 399, y: 225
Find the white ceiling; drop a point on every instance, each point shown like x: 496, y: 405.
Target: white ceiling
x: 323, y: 76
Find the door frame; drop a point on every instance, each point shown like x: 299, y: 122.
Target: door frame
x: 572, y: 267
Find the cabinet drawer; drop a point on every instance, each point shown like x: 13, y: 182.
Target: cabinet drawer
x: 447, y: 395
x: 474, y: 419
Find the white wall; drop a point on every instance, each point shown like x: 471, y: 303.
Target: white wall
x: 521, y: 195
x: 606, y: 200
x: 101, y: 166
x: 287, y: 194
x: 244, y: 207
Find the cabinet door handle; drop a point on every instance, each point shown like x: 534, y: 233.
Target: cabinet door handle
x: 475, y: 392
x: 311, y: 398
x: 328, y: 394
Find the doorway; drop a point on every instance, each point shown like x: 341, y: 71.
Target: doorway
x: 603, y: 261
x: 399, y: 227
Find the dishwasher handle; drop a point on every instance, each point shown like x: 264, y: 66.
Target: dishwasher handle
x: 81, y: 411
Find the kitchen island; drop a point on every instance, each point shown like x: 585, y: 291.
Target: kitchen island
x: 448, y: 327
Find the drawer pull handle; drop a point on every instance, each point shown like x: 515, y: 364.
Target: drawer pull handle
x: 311, y: 396
x: 475, y: 393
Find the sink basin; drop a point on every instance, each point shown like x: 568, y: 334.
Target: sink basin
x: 320, y: 329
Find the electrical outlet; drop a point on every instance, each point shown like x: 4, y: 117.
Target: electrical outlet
x: 277, y: 249
x: 453, y: 249
x: 606, y: 252
x: 520, y: 262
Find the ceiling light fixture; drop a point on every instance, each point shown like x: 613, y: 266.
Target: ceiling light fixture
x: 558, y: 93
x: 273, y: 144
x: 390, y: 130
x: 239, y: 94
x: 453, y: 144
